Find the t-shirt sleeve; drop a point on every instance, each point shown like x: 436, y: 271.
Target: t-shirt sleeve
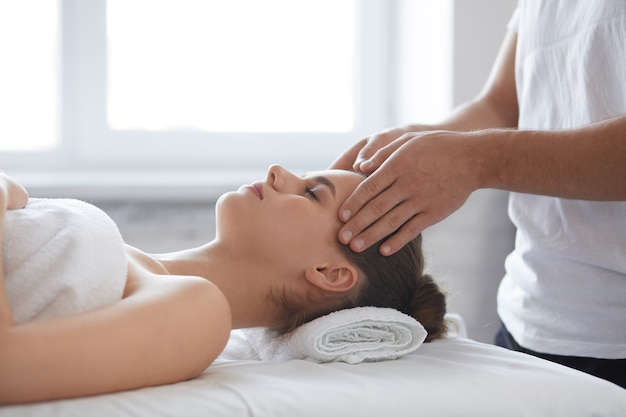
x: 513, y: 24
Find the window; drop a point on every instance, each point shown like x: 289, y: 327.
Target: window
x: 190, y: 84
x: 28, y: 75
x: 231, y: 66
x: 124, y: 94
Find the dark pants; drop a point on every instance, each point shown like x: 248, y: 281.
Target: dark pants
x: 613, y: 370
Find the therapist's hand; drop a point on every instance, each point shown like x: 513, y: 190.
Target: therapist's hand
x: 364, y: 149
x: 415, y: 181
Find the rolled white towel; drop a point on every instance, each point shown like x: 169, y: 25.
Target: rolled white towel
x: 355, y: 335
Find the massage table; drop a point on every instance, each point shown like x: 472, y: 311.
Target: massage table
x: 455, y: 376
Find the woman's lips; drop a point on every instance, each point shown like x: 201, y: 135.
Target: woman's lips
x: 257, y: 188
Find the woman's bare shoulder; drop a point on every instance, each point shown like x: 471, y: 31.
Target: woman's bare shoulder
x: 210, y: 318
x: 145, y: 261
x: 142, y: 269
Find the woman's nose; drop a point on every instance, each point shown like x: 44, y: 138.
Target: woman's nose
x: 279, y: 178
x: 274, y: 176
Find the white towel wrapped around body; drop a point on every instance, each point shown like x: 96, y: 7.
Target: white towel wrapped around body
x: 61, y: 257
x: 355, y: 335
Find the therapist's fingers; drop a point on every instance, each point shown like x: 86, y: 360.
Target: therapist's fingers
x: 366, y: 191
x: 381, y: 178
x: 385, y: 201
x: 407, y: 233
x: 372, y: 202
x: 400, y: 221
x: 375, y: 145
x: 365, y: 149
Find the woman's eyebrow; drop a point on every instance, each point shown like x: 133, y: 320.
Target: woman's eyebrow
x: 325, y: 181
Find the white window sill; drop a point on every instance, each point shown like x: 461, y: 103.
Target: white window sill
x: 128, y: 185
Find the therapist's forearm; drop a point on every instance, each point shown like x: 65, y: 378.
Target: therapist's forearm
x: 587, y: 163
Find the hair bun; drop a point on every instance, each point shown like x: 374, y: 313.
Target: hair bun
x: 428, y: 306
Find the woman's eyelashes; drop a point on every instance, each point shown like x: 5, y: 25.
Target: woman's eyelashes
x: 311, y: 193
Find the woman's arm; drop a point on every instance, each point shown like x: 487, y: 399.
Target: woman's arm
x: 166, y: 329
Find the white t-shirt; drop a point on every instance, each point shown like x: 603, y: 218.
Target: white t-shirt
x: 564, y: 291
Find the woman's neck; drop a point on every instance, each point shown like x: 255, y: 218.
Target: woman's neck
x: 244, y: 283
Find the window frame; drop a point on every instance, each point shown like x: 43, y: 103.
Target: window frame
x: 86, y: 142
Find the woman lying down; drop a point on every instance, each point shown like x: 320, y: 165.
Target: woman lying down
x: 128, y: 319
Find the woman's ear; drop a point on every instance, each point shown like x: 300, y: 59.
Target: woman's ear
x: 338, y: 277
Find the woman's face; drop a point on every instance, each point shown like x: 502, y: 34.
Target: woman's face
x: 286, y: 218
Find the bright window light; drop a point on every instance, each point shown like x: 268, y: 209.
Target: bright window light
x: 28, y: 74
x: 231, y: 66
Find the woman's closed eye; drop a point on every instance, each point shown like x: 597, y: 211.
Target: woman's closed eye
x: 311, y: 193
x: 318, y: 185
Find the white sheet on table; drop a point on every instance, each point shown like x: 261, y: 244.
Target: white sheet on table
x: 445, y: 378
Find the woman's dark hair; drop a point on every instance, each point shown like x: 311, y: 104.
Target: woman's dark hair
x: 398, y: 281
x: 395, y: 281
